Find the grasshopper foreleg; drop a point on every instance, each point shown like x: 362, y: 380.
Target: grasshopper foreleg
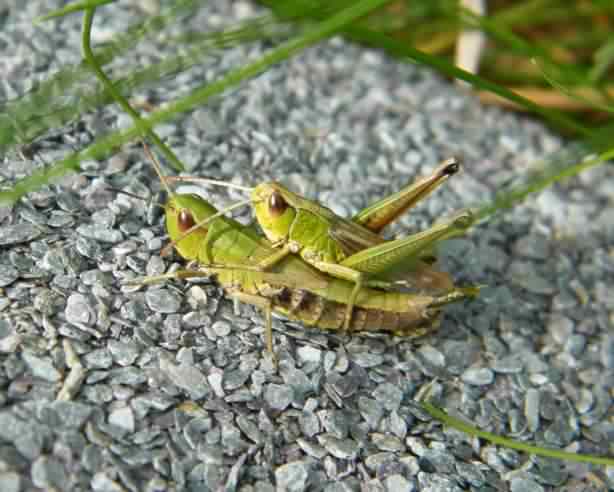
x: 276, y: 257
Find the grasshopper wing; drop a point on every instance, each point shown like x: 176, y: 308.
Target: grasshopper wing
x: 353, y: 237
x: 312, y: 282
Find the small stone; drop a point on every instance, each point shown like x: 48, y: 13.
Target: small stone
x: 235, y: 379
x: 215, y: 381
x: 389, y: 395
x: 250, y: 429
x: 48, y: 472
x: 431, y: 355
x: 394, y: 483
x: 345, y: 449
x: 335, y: 422
x: 8, y: 275
x: 531, y: 409
x: 367, y: 359
x: 123, y: 418
x: 11, y: 427
x: 10, y: 343
x: 520, y: 484
x: 293, y: 477
x: 507, y: 365
x: 98, y: 359
x: 100, y: 234
x: 187, y: 377
x: 561, y: 328
x: 278, y: 396
x: 163, y: 301
x: 67, y: 414
x: 312, y: 449
x: 41, y: 367
x: 10, y: 481
x: 221, y: 328
x: 19, y: 233
x: 575, y: 345
x: 607, y: 351
x: 123, y: 353
x: 387, y: 442
x: 525, y: 275
x: 309, y: 354
x: 101, y: 482
x: 79, y: 310
x: 478, y: 376
x: 371, y: 410
x: 585, y: 402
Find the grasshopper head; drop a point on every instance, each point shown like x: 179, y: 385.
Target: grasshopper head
x: 274, y: 211
x: 183, y: 212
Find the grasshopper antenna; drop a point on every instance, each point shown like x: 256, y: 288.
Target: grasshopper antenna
x: 158, y: 168
x: 203, y: 222
x: 196, y: 179
x: 133, y: 195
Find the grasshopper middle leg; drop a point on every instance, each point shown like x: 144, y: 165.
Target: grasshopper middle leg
x: 266, y: 305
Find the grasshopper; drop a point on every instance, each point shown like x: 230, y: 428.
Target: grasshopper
x: 234, y: 253
x: 352, y: 249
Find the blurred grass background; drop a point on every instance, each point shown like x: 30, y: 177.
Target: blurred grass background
x: 551, y: 58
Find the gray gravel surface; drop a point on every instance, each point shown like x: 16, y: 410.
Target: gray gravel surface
x: 110, y: 388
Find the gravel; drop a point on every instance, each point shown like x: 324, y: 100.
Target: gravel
x: 112, y: 387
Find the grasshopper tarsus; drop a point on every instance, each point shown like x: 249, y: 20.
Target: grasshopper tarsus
x: 450, y: 166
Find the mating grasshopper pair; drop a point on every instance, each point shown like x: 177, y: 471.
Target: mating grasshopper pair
x: 344, y: 290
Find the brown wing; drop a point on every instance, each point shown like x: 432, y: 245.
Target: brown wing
x: 352, y: 237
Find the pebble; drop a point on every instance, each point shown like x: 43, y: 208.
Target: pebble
x: 41, y: 367
x: 48, y: 472
x: 79, y: 311
x: 8, y: 275
x: 278, y: 397
x: 10, y: 481
x: 123, y: 353
x: 531, y: 409
x: 478, y: 376
x: 163, y: 301
x: 186, y: 377
x: 389, y: 395
x: 100, y: 234
x: 398, y: 482
x: 124, y: 418
x: 346, y: 449
x: 293, y: 477
x: 519, y: 484
x: 19, y: 233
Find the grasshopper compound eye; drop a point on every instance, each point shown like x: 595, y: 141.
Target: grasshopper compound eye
x: 185, y: 220
x: 277, y: 204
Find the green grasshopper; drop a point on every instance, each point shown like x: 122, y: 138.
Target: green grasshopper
x: 352, y: 249
x: 234, y: 253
